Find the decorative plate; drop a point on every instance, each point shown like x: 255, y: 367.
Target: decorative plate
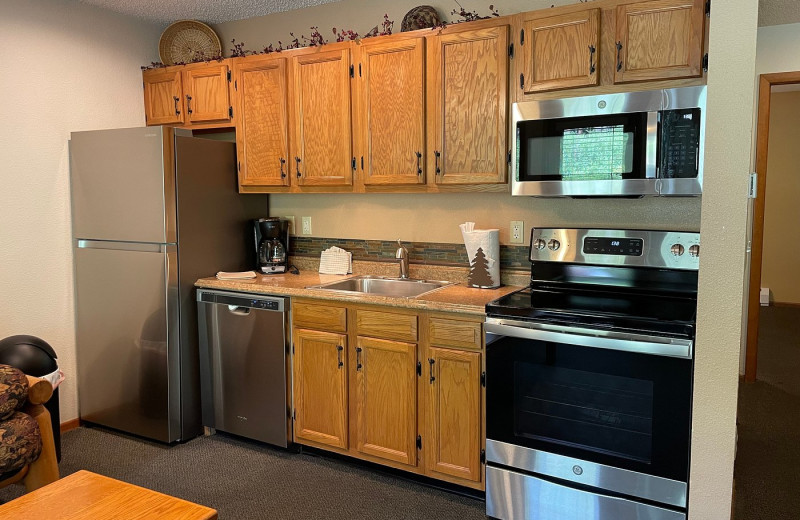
x: 186, y: 41
x: 420, y: 17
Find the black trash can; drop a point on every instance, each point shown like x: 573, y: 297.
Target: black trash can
x: 35, y: 357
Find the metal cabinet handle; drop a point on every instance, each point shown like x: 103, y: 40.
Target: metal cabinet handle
x: 176, y: 98
x: 358, y: 359
x: 592, y: 68
x: 188, y: 103
x: 419, y: 163
x: 619, y: 56
x: 283, y: 173
x: 436, y: 154
x: 297, y: 166
x: 431, y: 361
x: 339, y: 350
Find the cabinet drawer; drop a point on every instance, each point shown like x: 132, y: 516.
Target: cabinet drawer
x: 386, y: 325
x: 454, y: 333
x: 315, y: 316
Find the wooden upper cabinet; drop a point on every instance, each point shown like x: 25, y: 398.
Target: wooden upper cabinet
x: 206, y: 94
x: 560, y: 52
x: 453, y: 413
x: 386, y: 399
x: 163, y: 96
x: 321, y: 149
x: 320, y: 387
x: 660, y: 39
x: 390, y: 120
x: 467, y: 103
x: 262, y: 132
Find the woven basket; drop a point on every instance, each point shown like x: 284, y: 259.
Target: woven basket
x: 186, y: 41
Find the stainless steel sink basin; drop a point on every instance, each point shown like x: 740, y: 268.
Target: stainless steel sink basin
x: 395, y: 287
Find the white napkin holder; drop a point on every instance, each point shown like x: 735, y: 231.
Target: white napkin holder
x: 336, y: 260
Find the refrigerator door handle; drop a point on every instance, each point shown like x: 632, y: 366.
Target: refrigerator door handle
x: 145, y: 247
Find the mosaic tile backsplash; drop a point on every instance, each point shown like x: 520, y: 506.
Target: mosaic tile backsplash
x: 511, y: 257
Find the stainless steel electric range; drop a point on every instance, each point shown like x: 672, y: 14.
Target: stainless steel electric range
x: 589, y: 378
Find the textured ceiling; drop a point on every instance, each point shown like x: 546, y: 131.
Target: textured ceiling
x: 770, y: 12
x: 777, y: 12
x: 209, y: 11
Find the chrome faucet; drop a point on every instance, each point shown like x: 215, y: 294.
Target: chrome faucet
x: 402, y: 255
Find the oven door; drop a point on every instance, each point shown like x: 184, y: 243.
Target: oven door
x: 596, y: 408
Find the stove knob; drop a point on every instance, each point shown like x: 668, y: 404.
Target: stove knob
x: 676, y: 249
x: 539, y: 243
x: 554, y: 244
x: 694, y: 250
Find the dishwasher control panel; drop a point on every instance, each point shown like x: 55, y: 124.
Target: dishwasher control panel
x: 265, y: 304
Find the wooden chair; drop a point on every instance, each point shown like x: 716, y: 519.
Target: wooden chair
x: 44, y: 469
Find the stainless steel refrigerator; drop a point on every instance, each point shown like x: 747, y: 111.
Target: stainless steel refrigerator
x: 153, y: 209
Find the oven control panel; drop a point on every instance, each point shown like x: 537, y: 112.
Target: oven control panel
x: 642, y: 248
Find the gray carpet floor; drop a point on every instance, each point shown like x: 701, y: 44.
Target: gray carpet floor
x: 768, y: 451
x: 244, y: 480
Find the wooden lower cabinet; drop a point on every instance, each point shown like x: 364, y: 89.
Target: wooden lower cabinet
x: 406, y: 392
x: 386, y: 399
x: 320, y: 387
x: 453, y: 411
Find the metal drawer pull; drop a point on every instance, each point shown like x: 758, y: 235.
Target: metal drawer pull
x: 358, y: 359
x: 176, y: 98
x: 431, y: 362
x: 188, y: 103
x: 619, y: 58
x: 339, y: 350
x: 297, y: 166
x: 591, y: 59
x: 283, y: 173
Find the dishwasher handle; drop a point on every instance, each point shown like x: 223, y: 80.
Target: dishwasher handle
x: 239, y: 310
x: 242, y: 303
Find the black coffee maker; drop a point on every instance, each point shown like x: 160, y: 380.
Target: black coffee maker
x: 272, y: 244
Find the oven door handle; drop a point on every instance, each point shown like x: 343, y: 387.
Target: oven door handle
x: 611, y: 340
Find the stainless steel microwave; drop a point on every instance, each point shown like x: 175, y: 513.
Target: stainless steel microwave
x: 628, y: 144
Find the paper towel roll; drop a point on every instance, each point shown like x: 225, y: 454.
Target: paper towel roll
x: 483, y: 250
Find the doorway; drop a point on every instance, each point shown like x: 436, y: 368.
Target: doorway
x: 765, y: 94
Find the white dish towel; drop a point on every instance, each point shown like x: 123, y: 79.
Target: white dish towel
x: 482, y: 273
x: 336, y: 260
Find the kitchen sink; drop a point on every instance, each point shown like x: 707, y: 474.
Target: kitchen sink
x: 396, y: 287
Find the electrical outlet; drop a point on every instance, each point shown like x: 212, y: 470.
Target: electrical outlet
x: 292, y: 229
x: 516, y: 232
x: 306, y: 221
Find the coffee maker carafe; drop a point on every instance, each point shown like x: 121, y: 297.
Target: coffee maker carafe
x: 272, y: 244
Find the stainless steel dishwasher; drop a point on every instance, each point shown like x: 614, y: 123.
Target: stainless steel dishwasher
x: 244, y: 384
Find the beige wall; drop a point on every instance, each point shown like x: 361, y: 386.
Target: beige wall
x: 66, y: 67
x: 723, y: 230
x: 779, y: 269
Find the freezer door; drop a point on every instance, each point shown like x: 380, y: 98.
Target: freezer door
x: 127, y: 337
x: 123, y: 185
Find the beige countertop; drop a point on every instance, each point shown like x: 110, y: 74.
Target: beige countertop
x: 452, y: 298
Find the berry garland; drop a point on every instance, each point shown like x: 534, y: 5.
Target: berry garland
x: 316, y: 38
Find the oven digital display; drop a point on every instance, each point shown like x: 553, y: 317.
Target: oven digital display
x: 613, y: 246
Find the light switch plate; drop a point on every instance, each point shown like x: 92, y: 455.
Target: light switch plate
x: 306, y: 221
x: 515, y: 233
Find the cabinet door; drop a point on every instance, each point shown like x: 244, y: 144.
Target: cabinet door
x: 467, y: 92
x: 386, y: 399
x: 207, y: 95
x: 163, y: 103
x: 320, y: 387
x: 660, y: 39
x: 321, y: 129
x: 262, y: 135
x: 560, y: 52
x: 391, y: 116
x: 453, y: 413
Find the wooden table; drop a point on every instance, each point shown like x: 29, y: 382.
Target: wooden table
x: 87, y: 495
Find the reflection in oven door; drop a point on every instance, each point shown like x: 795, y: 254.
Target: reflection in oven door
x: 610, y: 419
